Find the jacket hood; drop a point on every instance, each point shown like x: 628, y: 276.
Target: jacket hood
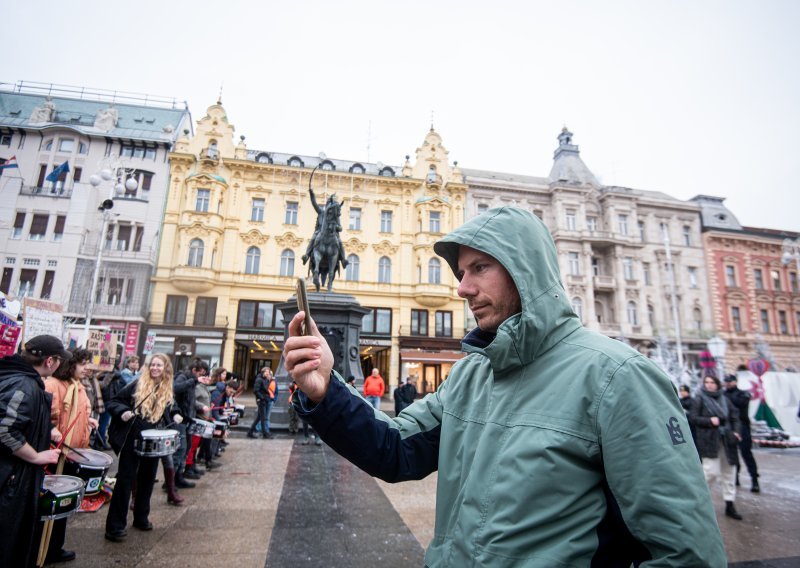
x: 14, y: 366
x: 523, y: 245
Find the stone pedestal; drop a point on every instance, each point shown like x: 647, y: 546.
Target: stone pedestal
x: 338, y: 317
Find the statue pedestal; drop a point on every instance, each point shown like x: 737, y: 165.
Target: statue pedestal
x: 338, y: 317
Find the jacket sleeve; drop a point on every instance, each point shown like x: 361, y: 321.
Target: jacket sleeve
x: 652, y: 469
x: 696, y: 414
x: 16, y: 409
x: 183, y: 384
x: 394, y: 450
x: 122, y: 401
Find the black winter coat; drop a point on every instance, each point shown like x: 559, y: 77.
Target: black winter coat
x: 741, y: 400
x: 24, y: 417
x: 124, y: 433
x: 183, y: 386
x: 708, y: 435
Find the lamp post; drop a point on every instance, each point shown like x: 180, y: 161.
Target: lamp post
x: 118, y: 172
x: 717, y: 348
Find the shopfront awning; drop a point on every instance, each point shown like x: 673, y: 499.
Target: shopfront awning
x: 431, y: 356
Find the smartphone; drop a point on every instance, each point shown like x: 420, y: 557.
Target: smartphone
x: 302, y: 305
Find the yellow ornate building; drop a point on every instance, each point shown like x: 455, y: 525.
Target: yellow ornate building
x: 237, y: 223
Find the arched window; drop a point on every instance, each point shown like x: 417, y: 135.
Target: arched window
x: 351, y: 272
x: 633, y: 317
x: 697, y: 317
x: 386, y: 172
x: 384, y: 270
x: 196, y: 252
x: 327, y: 166
x: 287, y: 263
x: 295, y: 162
x: 357, y: 169
x: 253, y: 260
x: 577, y: 307
x: 434, y: 271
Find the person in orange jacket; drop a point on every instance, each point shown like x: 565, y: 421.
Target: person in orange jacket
x: 374, y: 388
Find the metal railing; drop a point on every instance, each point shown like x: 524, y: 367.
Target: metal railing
x: 56, y: 193
x: 93, y: 94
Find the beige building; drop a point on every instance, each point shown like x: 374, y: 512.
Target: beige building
x: 613, y: 244
x: 237, y: 223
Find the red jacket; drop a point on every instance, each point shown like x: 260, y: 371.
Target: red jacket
x: 373, y: 386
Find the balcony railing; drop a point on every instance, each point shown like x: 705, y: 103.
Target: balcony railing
x: 160, y: 319
x: 49, y: 191
x: 607, y: 282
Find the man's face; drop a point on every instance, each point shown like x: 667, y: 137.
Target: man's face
x: 199, y: 372
x: 133, y: 365
x: 230, y: 391
x: 730, y: 385
x: 488, y: 288
x: 375, y: 372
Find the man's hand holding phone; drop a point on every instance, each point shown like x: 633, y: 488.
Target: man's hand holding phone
x: 307, y: 358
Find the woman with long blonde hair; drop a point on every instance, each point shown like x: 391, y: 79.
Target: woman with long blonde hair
x: 146, y: 403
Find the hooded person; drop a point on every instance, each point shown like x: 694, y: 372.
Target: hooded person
x: 554, y: 445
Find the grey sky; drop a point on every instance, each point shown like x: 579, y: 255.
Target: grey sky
x: 681, y: 97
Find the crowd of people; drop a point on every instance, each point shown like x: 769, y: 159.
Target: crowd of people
x: 53, y: 407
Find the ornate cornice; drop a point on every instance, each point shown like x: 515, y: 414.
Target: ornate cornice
x: 254, y: 237
x: 353, y: 245
x: 289, y: 240
x: 385, y: 248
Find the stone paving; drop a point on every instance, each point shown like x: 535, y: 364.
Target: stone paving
x: 278, y: 503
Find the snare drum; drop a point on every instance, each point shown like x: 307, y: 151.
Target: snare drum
x: 220, y: 428
x: 233, y: 418
x: 239, y: 409
x: 60, y: 497
x: 201, y: 428
x: 89, y: 465
x: 156, y: 443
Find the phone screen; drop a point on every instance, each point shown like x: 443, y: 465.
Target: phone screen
x: 302, y: 305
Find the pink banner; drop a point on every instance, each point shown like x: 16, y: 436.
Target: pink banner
x: 131, y: 339
x: 9, y: 335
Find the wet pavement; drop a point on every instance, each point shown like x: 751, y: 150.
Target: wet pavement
x: 279, y: 503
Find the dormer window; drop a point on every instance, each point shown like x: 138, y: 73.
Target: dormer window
x: 357, y: 169
x: 295, y: 162
x: 387, y: 172
x: 263, y: 158
x: 327, y: 165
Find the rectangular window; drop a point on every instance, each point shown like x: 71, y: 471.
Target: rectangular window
x: 77, y: 174
x: 264, y: 312
x: 145, y: 183
x: 124, y: 237
x: 42, y: 175
x: 648, y: 280
x: 482, y: 208
x: 591, y: 223
x: 5, y: 140
x: 247, y: 314
x: 736, y: 316
x: 759, y: 278
x: 355, y: 219
x: 419, y: 322
x: 571, y: 224
x: 692, y: 277
x: 257, y: 210
x: 38, y: 227
x: 205, y: 311
x: 377, y: 321
x: 783, y: 323
x: 386, y: 221
x: 115, y: 286
x: 776, y: 280
x: 98, y: 293
x: 176, y: 310
x: 129, y: 292
x: 138, y: 152
x: 687, y: 235
x: 764, y: 321
x: 627, y: 267
x: 126, y: 151
x: 150, y: 153
x: 574, y: 264
x: 444, y: 324
x: 622, y: 223
x: 642, y: 234
x: 137, y: 239
x: 664, y: 228
x: 730, y: 276
x: 434, y: 223
x: 203, y: 198
x: 19, y: 223
x: 793, y: 282
x: 291, y: 213
x: 5, y: 283
x: 27, y: 282
x: 66, y: 145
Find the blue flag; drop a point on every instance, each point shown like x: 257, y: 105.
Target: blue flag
x: 56, y: 173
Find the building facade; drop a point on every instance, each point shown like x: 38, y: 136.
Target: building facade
x: 755, y: 296
x: 632, y: 260
x: 238, y: 222
x: 51, y: 228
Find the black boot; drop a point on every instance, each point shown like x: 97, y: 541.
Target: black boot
x: 180, y: 481
x: 755, y: 487
x: 730, y: 511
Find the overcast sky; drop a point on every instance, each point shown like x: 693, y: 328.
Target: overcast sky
x: 683, y: 97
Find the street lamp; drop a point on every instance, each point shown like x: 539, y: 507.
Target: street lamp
x: 118, y: 172
x: 717, y: 348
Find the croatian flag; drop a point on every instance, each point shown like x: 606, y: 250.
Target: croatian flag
x: 10, y: 163
x: 54, y: 175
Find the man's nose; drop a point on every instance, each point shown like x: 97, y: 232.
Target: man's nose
x: 465, y: 288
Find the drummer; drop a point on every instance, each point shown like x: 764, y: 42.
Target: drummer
x: 24, y: 441
x: 146, y: 403
x: 70, y: 414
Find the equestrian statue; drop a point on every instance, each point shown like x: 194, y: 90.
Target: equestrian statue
x: 325, y: 250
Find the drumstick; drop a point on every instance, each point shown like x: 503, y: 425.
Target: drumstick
x: 71, y: 449
x: 64, y: 435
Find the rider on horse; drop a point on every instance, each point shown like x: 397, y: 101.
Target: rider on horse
x: 320, y: 213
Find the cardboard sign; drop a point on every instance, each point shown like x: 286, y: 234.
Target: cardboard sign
x: 149, y: 342
x: 103, y: 347
x: 40, y: 317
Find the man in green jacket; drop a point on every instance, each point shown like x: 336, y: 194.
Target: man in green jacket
x: 555, y: 445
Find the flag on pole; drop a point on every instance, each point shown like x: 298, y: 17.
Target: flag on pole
x: 10, y: 163
x: 56, y: 173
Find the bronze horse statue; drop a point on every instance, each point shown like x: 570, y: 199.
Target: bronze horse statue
x: 325, y: 251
